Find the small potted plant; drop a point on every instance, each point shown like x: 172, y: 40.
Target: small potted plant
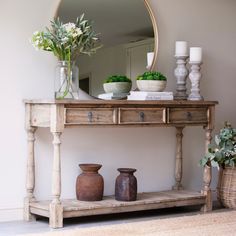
x: 151, y: 81
x: 117, y: 84
x: 223, y: 156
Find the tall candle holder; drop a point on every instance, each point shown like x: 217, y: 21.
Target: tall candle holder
x: 195, y: 76
x: 181, y: 73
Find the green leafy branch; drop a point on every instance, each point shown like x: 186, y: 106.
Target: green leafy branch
x: 223, y: 152
x: 67, y: 41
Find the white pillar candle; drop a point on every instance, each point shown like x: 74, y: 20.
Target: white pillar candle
x: 150, y: 56
x: 195, y: 54
x: 181, y: 48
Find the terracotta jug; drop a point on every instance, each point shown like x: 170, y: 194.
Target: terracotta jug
x: 89, y: 184
x: 126, y: 185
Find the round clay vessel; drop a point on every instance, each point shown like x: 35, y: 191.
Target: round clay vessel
x: 89, y: 184
x: 126, y: 185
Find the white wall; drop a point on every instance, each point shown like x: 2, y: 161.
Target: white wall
x: 26, y: 73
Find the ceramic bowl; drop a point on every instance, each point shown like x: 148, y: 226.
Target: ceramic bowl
x: 117, y: 87
x: 151, y: 85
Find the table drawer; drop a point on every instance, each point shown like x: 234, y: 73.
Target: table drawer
x: 187, y: 115
x: 96, y: 116
x: 142, y: 115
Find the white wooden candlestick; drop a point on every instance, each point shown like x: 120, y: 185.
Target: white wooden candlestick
x: 181, y: 73
x: 195, y: 77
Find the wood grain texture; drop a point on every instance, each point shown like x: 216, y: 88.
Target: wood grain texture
x: 141, y: 115
x: 90, y: 116
x: 178, y: 159
x: 207, y: 175
x: 97, y: 102
x: 57, y: 118
x: 56, y: 209
x: 211, y: 117
x: 207, y: 172
x: 145, y: 201
x: 56, y: 171
x: 56, y: 215
x: 40, y: 115
x: 188, y: 115
x: 58, y: 114
x: 30, y: 174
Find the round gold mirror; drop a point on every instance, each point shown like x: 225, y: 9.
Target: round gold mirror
x: 128, y: 33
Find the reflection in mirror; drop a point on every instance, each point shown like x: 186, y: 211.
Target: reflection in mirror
x: 126, y: 32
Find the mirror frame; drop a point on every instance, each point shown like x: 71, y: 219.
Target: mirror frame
x: 155, y: 28
x: 154, y: 24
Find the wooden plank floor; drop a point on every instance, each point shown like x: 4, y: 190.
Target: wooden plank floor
x: 145, y: 201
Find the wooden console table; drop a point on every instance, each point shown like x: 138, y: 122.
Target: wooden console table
x: 61, y: 114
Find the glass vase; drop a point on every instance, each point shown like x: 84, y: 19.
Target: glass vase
x: 66, y: 83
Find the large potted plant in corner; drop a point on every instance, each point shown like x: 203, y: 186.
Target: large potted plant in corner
x: 223, y: 156
x: 66, y: 42
x: 151, y: 81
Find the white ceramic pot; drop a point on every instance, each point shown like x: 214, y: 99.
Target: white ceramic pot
x: 117, y: 87
x: 151, y: 85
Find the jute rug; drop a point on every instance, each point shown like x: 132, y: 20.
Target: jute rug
x: 210, y: 224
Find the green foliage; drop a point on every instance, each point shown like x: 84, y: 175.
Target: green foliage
x: 152, y: 75
x: 68, y: 40
x: 117, y: 78
x: 223, y: 153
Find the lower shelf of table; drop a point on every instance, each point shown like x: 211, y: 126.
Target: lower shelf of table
x: 145, y: 201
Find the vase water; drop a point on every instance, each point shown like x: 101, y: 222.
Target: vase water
x: 66, y: 80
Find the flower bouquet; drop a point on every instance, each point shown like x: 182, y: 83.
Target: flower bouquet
x: 66, y: 42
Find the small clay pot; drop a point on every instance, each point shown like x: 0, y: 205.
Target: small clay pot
x: 89, y: 184
x: 126, y: 185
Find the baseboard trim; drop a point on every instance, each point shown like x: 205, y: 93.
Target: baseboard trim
x: 11, y: 214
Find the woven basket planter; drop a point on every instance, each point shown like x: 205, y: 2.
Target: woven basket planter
x: 226, y: 189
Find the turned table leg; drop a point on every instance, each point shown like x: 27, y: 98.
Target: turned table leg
x: 56, y: 209
x: 207, y: 175
x: 30, y: 176
x: 178, y: 159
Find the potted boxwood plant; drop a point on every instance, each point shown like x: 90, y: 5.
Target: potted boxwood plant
x: 223, y: 156
x: 117, y: 84
x: 151, y: 81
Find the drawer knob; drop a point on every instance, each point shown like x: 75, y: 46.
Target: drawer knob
x: 141, y: 116
x: 90, y: 116
x: 189, y: 115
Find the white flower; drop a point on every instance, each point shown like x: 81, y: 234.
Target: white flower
x: 72, y: 30
x: 36, y: 42
x: 69, y: 26
x: 78, y: 31
x: 65, y: 40
x: 36, y: 33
